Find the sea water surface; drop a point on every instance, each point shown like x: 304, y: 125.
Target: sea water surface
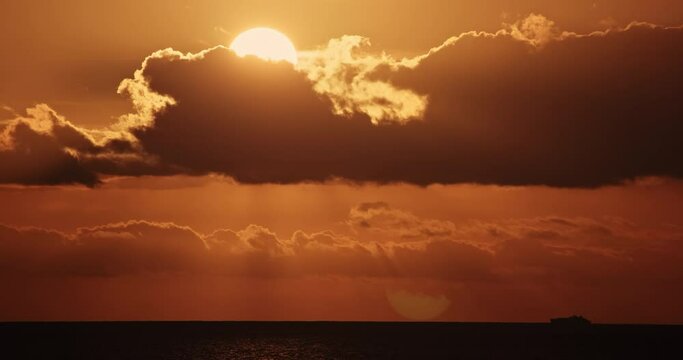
x: 335, y: 340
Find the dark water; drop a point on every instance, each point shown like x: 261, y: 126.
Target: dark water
x: 321, y: 340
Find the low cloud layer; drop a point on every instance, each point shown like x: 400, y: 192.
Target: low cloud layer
x: 526, y: 105
x: 630, y: 266
x: 380, y: 241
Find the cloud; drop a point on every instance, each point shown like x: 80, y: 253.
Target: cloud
x: 579, y: 112
x: 147, y: 102
x: 29, y: 250
x: 43, y: 149
x: 343, y: 74
x: 536, y: 29
x: 132, y: 247
x: 387, y: 223
x: 254, y: 239
x: 526, y: 105
x: 612, y: 264
x: 470, y: 252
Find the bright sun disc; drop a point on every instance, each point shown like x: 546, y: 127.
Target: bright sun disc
x: 265, y: 43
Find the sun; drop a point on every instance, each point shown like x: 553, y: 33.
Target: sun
x: 265, y: 43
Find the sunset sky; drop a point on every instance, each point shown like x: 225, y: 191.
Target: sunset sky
x: 437, y: 160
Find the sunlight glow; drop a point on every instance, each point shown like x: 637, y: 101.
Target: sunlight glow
x: 265, y: 43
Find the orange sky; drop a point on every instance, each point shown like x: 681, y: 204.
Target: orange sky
x: 527, y: 170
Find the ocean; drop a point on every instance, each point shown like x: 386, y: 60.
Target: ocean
x: 335, y: 340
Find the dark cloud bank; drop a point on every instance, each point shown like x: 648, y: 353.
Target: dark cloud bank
x: 578, y: 111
